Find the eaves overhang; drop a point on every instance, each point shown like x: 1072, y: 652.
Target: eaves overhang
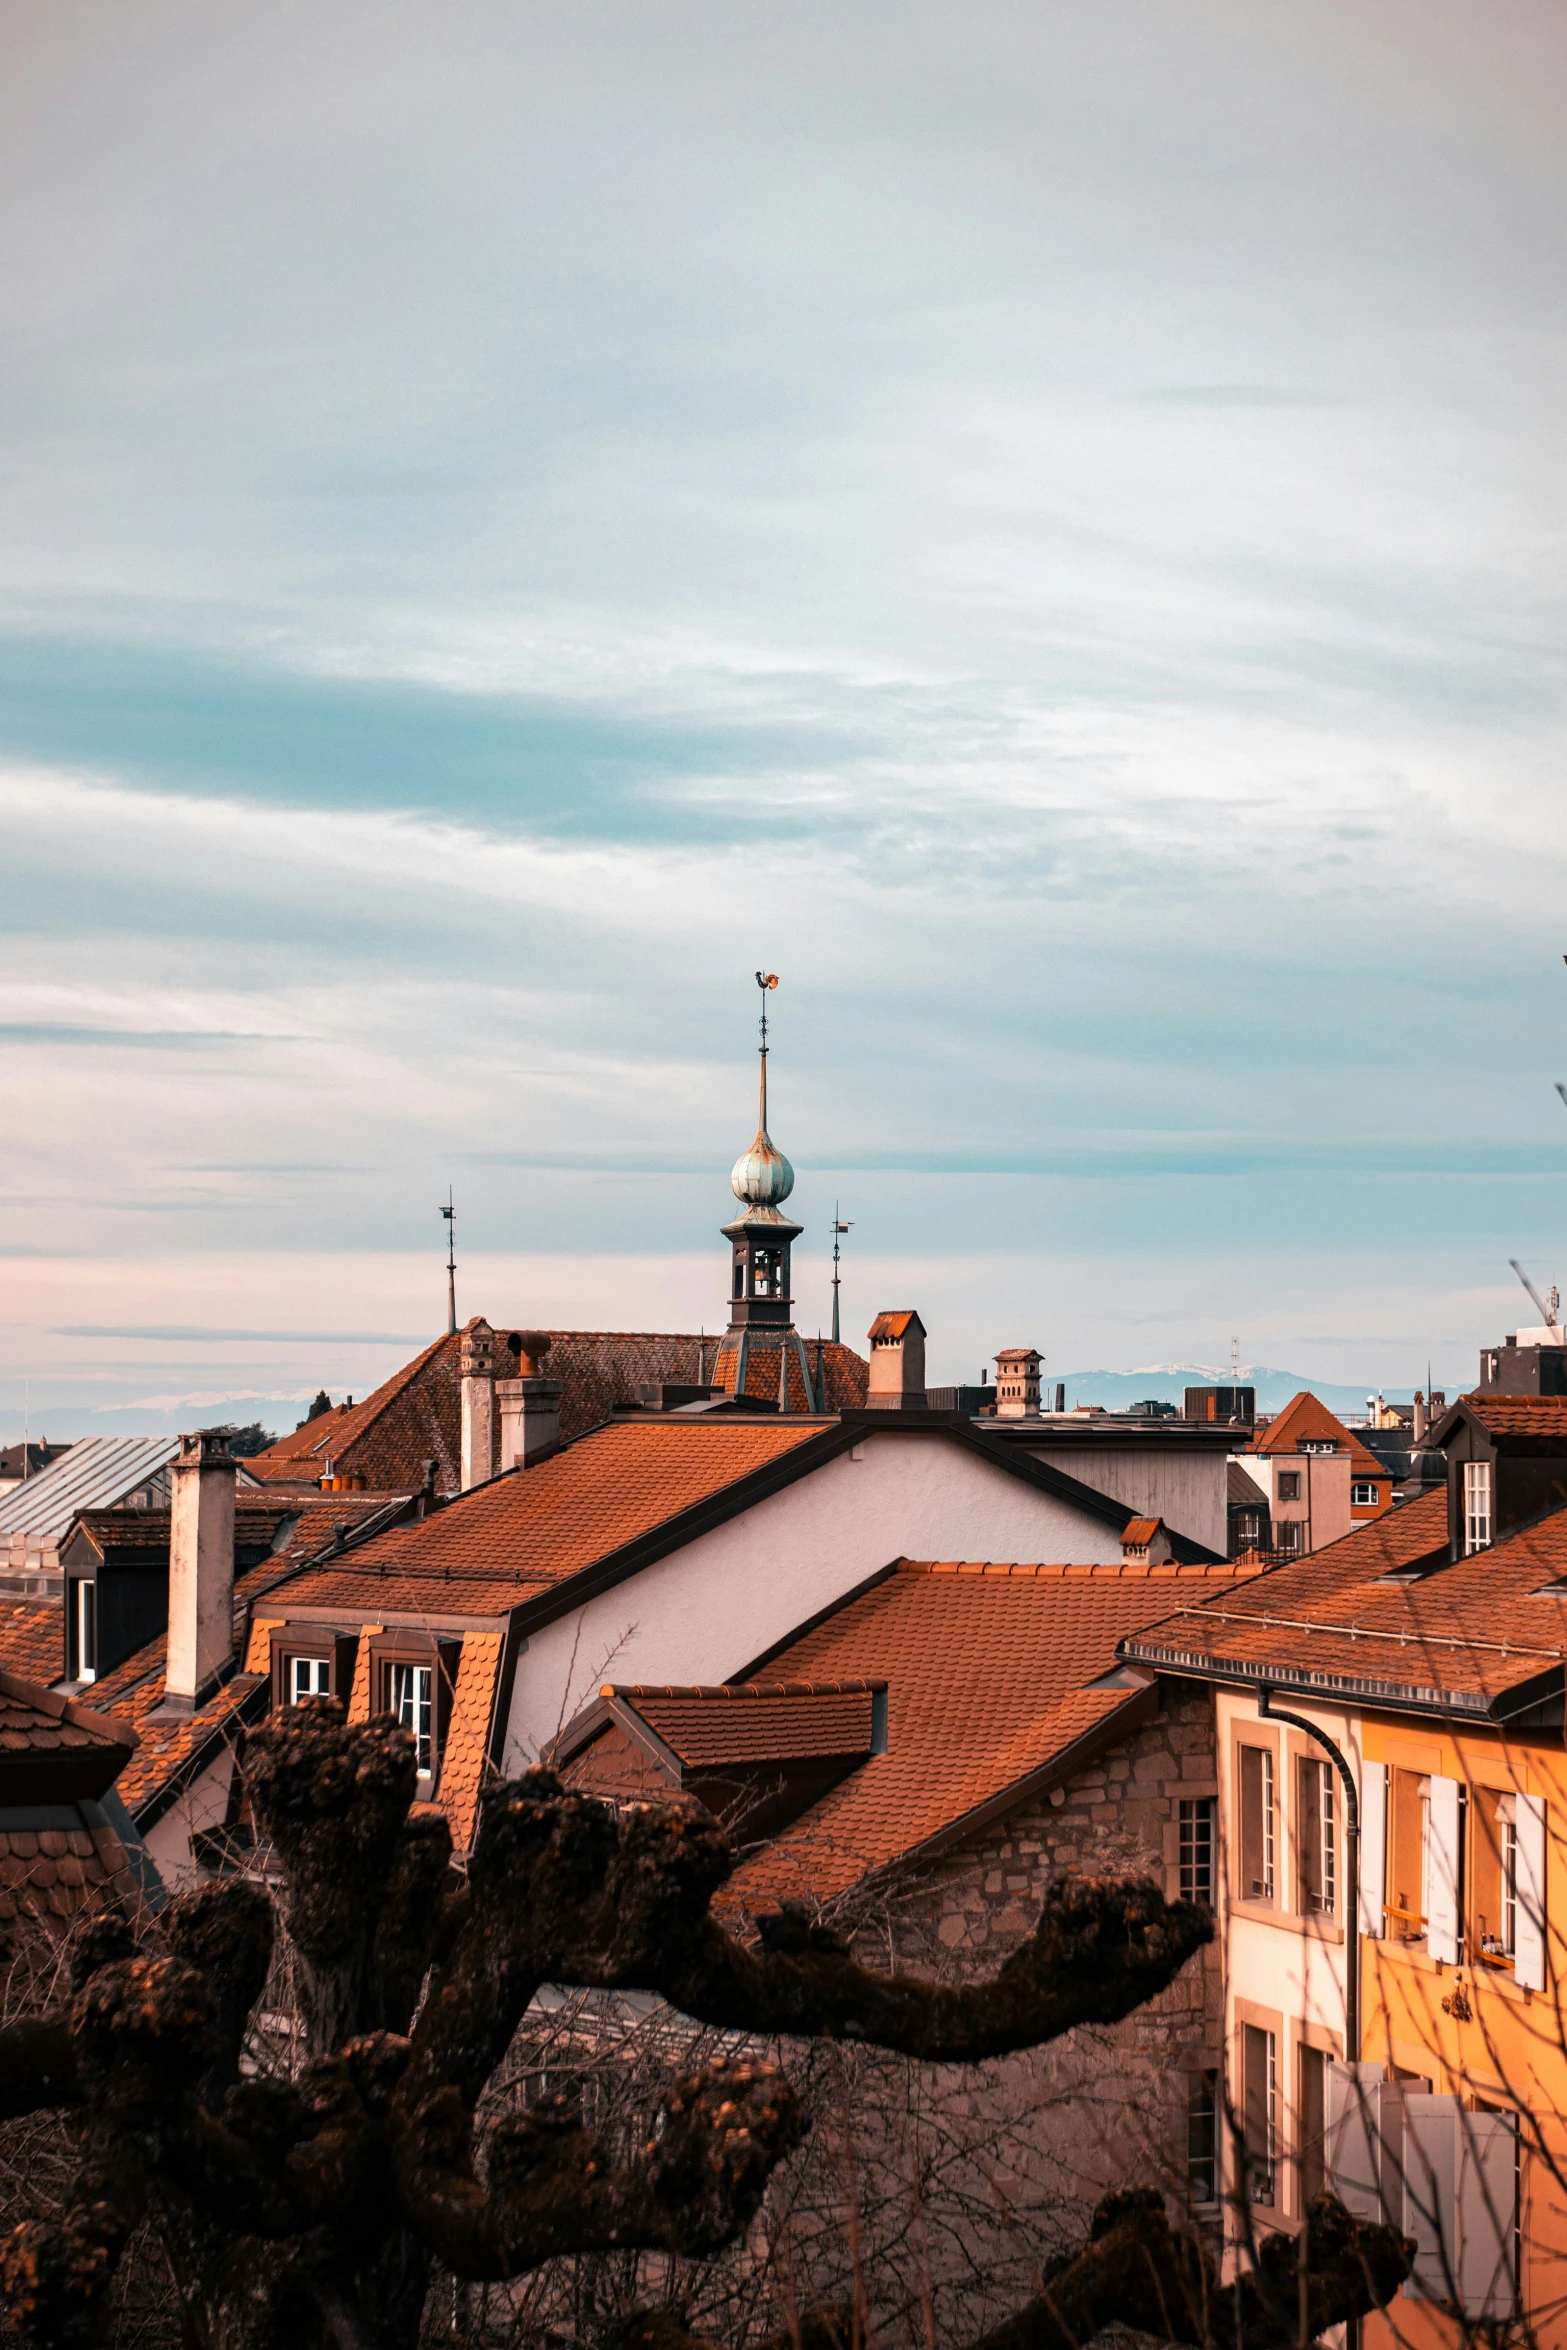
x: 1370, y: 1688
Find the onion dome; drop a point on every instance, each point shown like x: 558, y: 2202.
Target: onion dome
x: 762, y: 1177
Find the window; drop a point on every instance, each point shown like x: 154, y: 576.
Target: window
x: 1493, y: 1877
x: 1289, y: 1537
x: 1477, y: 1506
x: 1289, y: 1485
x: 739, y: 1277
x: 86, y: 1631
x: 1202, y: 2138
x: 1256, y: 1776
x: 1259, y: 2109
x: 410, y: 1690
x: 1313, y: 2124
x: 1409, y: 1808
x: 307, y: 1676
x: 1363, y: 1497
x: 1196, y: 1828
x: 1315, y: 1444
x: 1316, y: 1840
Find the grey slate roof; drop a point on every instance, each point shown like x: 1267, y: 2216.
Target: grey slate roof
x: 95, y: 1474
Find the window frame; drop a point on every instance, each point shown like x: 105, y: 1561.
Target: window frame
x: 441, y: 1655
x: 82, y: 1628
x: 1317, y: 1873
x: 1478, y: 1479
x: 318, y: 1642
x: 1266, y: 1746
x: 1196, y: 1855
x: 1364, y: 1494
x: 1287, y: 1487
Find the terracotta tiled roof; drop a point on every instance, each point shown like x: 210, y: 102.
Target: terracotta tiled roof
x: 1519, y: 1415
x: 757, y: 1722
x: 1306, y: 1420
x: 894, y: 1325
x: 507, y: 1540
x: 465, y: 1750
x: 1139, y: 1532
x: 50, y: 1877
x: 988, y: 1672
x: 417, y: 1414
x: 169, y: 1748
x: 32, y: 1639
x: 1481, y: 1636
x: 845, y: 1374
x: 53, y: 1749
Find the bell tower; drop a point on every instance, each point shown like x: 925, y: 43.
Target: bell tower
x: 761, y: 1352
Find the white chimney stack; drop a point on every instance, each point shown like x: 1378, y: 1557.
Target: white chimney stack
x: 528, y: 1406
x: 201, y: 1570
x: 897, y: 1375
x: 477, y: 1360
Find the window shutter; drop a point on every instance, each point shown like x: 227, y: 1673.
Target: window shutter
x: 1529, y: 1958
x: 1442, y: 1868
x: 1373, y: 1846
x: 1488, y: 2215
x: 1354, y: 2138
x: 1431, y: 2160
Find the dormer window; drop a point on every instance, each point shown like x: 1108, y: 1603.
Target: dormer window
x: 1477, y: 1507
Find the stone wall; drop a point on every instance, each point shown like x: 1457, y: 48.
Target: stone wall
x: 1100, y: 2108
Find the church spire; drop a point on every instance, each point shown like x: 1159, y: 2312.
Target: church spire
x: 761, y: 1344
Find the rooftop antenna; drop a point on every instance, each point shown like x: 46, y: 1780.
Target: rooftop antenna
x: 27, y: 1426
x: 1235, y: 1361
x: 1549, y: 1314
x: 449, y: 1213
x: 838, y: 1229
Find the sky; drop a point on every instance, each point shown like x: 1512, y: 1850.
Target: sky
x: 1042, y: 525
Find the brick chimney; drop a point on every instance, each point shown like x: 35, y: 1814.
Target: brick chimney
x: 897, y: 1380
x: 477, y: 1362
x: 201, y: 1570
x: 529, y: 1405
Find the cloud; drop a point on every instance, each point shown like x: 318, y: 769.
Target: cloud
x: 1047, y: 531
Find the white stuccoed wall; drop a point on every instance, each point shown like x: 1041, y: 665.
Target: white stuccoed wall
x: 706, y: 1611
x: 1186, y: 1489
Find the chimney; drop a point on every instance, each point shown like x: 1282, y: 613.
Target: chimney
x: 201, y: 1570
x: 897, y: 1380
x: 1419, y: 1429
x: 1060, y: 1395
x: 476, y: 1358
x: 529, y: 1405
x: 1144, y: 1543
x: 1017, y: 1383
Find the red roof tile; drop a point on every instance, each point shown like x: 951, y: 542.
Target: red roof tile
x: 756, y: 1722
x: 1469, y: 1636
x: 1306, y: 1420
x: 1519, y: 1415
x: 988, y: 1671
x: 504, y: 1541
x: 32, y: 1638
x: 53, y: 1749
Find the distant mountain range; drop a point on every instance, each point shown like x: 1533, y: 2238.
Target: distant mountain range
x: 1167, y: 1383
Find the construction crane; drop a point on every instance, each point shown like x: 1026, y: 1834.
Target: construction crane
x: 1550, y: 1314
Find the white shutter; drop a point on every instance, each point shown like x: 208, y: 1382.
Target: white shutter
x: 1442, y: 1869
x: 1373, y: 1846
x: 1353, y: 2150
x: 1529, y: 1957
x: 1431, y: 2160
x: 1488, y: 2214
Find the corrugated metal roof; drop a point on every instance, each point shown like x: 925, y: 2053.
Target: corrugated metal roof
x: 93, y: 1475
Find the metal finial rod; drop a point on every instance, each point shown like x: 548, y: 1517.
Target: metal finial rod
x: 765, y: 980
x: 449, y: 1212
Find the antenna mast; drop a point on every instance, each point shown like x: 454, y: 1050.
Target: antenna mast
x: 449, y: 1213
x: 838, y: 1228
